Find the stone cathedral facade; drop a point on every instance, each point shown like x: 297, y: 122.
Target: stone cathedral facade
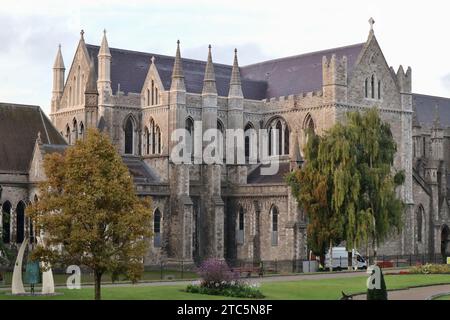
x: 232, y: 211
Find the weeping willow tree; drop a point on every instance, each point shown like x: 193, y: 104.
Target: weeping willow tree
x: 347, y: 185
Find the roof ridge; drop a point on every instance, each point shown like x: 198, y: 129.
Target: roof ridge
x: 429, y: 95
x: 304, y: 54
x: 160, y: 55
x: 45, y: 126
x: 19, y: 105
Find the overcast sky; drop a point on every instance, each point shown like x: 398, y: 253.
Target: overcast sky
x: 411, y: 33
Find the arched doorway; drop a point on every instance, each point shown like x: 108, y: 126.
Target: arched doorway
x: 445, y: 242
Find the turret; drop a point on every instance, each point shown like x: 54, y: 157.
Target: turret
x: 235, y: 98
x: 404, y: 79
x: 334, y: 75
x: 58, y: 80
x: 437, y: 137
x: 209, y: 96
x: 177, y: 96
x: 236, y: 174
x: 177, y: 73
x: 235, y: 81
x: 104, y: 68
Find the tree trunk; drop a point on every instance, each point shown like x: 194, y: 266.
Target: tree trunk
x: 98, y: 283
x: 331, y: 255
x: 349, y: 260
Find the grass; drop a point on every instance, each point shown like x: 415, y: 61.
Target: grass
x: 88, y: 278
x: 447, y: 297
x: 324, y: 289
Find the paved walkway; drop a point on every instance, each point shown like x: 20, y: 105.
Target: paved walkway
x: 281, y: 278
x: 420, y: 293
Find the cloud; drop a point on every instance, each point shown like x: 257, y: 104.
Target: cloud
x: 248, y: 53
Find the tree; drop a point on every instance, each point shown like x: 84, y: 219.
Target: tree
x: 352, y: 165
x: 89, y: 213
x: 312, y: 187
x: 378, y: 197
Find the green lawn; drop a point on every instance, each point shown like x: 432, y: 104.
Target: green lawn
x: 325, y: 289
x: 88, y: 278
x: 447, y: 297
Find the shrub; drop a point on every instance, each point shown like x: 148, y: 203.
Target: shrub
x: 218, y: 279
x: 378, y: 294
x: 431, y: 269
x: 237, y: 289
x: 215, y: 273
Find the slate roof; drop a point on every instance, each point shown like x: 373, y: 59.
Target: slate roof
x: 255, y: 176
x: 140, y: 171
x: 425, y: 109
x: 297, y: 74
x: 19, y: 127
x: 280, y: 77
x: 130, y: 68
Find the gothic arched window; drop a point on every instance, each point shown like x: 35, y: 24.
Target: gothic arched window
x: 81, y: 130
x: 420, y: 223
x: 279, y: 131
x: 68, y: 134
x: 153, y: 92
x: 274, y: 216
x: 240, y: 226
x: 147, y: 140
x: 372, y: 86
x: 278, y: 137
x: 6, y: 222
x: 129, y: 136
x: 366, y: 88
x: 75, y: 130
x: 158, y: 140
x: 247, y: 134
x: 20, y: 222
x: 157, y: 228
x: 189, y: 125
x: 379, y: 89
x: 286, y: 140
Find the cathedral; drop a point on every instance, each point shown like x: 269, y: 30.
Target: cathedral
x: 230, y: 211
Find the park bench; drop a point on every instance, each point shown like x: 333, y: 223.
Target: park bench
x: 248, y: 271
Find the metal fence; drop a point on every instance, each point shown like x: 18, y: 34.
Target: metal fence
x: 184, y: 270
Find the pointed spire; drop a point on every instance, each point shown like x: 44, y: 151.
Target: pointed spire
x: 177, y: 72
x: 235, y: 81
x: 104, y: 48
x: 209, y: 82
x: 59, y: 61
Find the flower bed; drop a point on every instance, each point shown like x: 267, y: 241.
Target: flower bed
x: 218, y: 279
x: 238, y: 289
x: 431, y: 269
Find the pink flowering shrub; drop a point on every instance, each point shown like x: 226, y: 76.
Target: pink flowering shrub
x: 216, y: 273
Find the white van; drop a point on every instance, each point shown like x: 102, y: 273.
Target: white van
x: 340, y: 259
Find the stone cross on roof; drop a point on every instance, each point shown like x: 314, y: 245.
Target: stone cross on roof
x: 371, y: 22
